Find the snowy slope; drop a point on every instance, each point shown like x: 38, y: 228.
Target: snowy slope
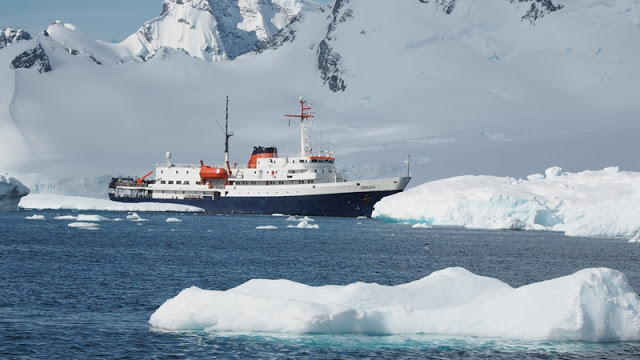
x: 477, y: 91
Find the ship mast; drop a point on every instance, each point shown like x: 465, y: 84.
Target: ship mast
x: 227, y: 135
x: 304, y: 126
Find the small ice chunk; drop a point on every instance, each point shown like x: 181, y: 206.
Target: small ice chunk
x: 304, y: 224
x: 421, y: 226
x: 82, y: 217
x: 84, y: 225
x: 66, y: 217
x: 135, y: 217
x: 267, y: 227
x: 172, y: 219
x: 553, y: 171
x: 35, y: 217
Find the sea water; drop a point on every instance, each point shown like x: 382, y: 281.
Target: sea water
x: 89, y: 291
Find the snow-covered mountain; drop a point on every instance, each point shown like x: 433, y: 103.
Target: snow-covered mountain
x: 498, y: 87
x: 210, y: 29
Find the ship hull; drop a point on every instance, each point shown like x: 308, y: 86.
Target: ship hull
x: 342, y: 204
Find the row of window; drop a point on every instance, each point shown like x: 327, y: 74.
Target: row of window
x: 177, y: 182
x: 162, y: 171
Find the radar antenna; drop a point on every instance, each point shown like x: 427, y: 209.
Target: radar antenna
x: 304, y: 126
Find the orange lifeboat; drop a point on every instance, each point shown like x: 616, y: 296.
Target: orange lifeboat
x: 208, y: 172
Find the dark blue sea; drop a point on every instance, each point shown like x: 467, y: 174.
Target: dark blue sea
x: 74, y: 293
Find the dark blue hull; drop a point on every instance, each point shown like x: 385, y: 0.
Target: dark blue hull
x: 344, y: 204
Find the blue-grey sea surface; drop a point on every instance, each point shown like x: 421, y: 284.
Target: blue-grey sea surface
x: 74, y: 293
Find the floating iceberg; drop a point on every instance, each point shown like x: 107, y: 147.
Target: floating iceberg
x: 35, y: 217
x: 172, y: 219
x: 56, y: 202
x: 84, y: 225
x: 82, y: 217
x: 135, y: 217
x: 267, y: 227
x: 589, y: 203
x: 304, y: 224
x: 66, y: 217
x: 11, y: 191
x: 595, y: 305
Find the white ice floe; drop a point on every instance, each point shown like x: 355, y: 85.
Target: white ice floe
x: 267, y: 227
x: 66, y: 217
x: 304, y: 224
x: 35, y: 217
x: 292, y: 218
x: 595, y: 305
x: 172, y: 219
x: 11, y: 191
x: 84, y: 225
x: 421, y: 226
x: 588, y: 203
x: 51, y: 201
x: 135, y: 217
x: 82, y: 217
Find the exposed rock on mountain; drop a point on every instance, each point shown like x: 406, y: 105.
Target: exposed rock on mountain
x: 10, y: 36
x: 35, y: 57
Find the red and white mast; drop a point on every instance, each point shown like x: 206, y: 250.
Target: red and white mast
x: 304, y: 126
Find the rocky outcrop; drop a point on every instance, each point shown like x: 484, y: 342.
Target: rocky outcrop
x: 538, y: 9
x: 35, y: 58
x: 10, y: 36
x: 329, y: 60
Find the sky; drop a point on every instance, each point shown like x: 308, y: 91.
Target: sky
x: 109, y: 20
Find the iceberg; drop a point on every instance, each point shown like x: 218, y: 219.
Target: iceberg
x: 84, y: 225
x: 602, y: 203
x: 11, y: 191
x: 595, y: 305
x: 82, y: 203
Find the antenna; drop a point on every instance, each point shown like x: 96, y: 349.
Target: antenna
x: 227, y: 135
x: 303, y: 126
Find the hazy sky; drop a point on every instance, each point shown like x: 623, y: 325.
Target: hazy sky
x: 110, y: 20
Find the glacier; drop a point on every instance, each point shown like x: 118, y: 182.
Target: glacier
x: 593, y: 305
x: 11, y: 192
x: 603, y: 203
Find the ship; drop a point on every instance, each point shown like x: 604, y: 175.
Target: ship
x: 306, y: 184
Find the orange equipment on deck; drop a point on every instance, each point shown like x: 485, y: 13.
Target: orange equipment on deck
x: 141, y: 179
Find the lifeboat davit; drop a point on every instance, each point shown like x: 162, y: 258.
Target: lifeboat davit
x: 260, y: 152
x: 208, y: 172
